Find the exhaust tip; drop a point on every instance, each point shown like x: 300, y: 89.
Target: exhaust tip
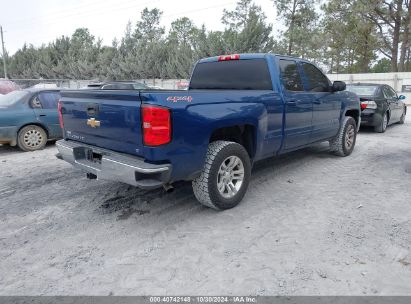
x: 168, y: 188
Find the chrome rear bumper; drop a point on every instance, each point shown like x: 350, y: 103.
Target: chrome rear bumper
x: 114, y: 166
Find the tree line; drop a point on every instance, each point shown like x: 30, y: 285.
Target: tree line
x: 342, y: 36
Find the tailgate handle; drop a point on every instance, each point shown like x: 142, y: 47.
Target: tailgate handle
x: 92, y: 109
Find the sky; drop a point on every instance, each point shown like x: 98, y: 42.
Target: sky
x: 41, y: 21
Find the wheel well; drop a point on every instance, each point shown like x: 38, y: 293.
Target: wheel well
x: 354, y: 114
x: 241, y: 134
x: 34, y: 124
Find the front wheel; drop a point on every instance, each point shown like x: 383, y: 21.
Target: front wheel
x: 225, y: 176
x: 343, y: 144
x: 402, y: 119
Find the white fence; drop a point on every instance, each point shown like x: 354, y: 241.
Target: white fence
x: 401, y: 82
x: 169, y: 84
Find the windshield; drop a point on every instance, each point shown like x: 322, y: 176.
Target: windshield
x: 11, y: 98
x: 366, y: 90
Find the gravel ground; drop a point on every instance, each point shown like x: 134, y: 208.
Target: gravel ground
x: 310, y: 224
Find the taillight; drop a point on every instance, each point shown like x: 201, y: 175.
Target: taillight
x: 229, y: 57
x: 156, y: 125
x: 59, y: 107
x: 368, y: 104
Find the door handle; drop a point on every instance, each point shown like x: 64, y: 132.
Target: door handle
x: 317, y: 102
x: 42, y: 115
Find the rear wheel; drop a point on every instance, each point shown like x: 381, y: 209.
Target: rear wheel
x: 225, y: 176
x: 383, y: 124
x: 31, y: 138
x: 402, y: 119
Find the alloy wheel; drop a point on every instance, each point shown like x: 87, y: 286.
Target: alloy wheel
x: 230, y: 176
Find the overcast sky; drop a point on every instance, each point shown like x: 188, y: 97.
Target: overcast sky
x: 41, y: 21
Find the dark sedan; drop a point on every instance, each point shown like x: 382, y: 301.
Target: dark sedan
x: 28, y: 118
x: 380, y: 105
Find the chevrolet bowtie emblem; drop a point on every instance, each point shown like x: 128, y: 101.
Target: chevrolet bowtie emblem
x: 92, y: 122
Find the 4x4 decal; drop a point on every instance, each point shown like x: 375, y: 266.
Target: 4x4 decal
x: 179, y: 98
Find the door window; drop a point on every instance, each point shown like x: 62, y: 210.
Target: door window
x: 392, y: 92
x: 317, y: 81
x: 290, y: 76
x: 49, y: 100
x: 388, y: 93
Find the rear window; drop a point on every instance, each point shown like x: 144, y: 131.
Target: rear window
x: 124, y: 86
x: 365, y: 90
x: 232, y: 75
x: 140, y: 86
x: 117, y: 86
x: 12, y: 97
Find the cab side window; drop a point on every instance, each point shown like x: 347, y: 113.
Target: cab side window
x: 317, y: 81
x: 49, y: 100
x: 290, y: 76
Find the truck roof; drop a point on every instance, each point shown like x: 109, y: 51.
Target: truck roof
x: 247, y: 56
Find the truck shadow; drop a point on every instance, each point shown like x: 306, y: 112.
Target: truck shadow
x: 367, y: 130
x: 370, y: 130
x: 129, y: 202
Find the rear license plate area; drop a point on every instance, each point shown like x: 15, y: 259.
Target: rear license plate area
x: 93, y: 157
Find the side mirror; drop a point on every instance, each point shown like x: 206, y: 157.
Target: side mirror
x: 338, y: 86
x: 401, y: 97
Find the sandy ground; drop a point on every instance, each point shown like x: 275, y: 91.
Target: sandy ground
x: 311, y: 224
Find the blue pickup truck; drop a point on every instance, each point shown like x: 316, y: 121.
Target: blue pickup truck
x: 238, y: 109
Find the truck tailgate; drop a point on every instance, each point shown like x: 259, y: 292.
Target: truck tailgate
x: 106, y: 119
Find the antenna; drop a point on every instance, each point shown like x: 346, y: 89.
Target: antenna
x: 4, y: 53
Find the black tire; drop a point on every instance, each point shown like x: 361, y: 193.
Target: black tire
x: 382, y: 126
x: 402, y: 119
x: 340, y: 145
x: 206, y: 186
x: 31, y: 138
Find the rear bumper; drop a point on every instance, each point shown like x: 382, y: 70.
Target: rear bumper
x: 370, y: 118
x: 8, y: 135
x: 113, y: 166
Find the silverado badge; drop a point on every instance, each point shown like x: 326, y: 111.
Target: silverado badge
x: 92, y: 122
